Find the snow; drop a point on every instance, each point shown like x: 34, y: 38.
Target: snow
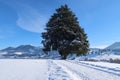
x: 56, y: 72
x: 103, y: 64
x: 47, y: 69
x: 1, y: 53
x: 31, y: 50
x: 18, y: 53
x: 76, y: 41
x: 85, y: 72
x: 115, y: 45
x: 106, y: 57
x: 71, y: 56
x: 23, y: 69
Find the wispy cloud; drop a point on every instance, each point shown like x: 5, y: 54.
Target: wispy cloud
x: 29, y: 18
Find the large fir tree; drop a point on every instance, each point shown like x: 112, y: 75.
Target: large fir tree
x: 63, y: 33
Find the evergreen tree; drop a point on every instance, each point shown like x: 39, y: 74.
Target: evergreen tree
x: 64, y: 34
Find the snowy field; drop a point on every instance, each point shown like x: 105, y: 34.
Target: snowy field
x: 28, y: 69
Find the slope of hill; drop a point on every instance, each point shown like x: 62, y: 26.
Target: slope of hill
x: 27, y: 51
x: 114, y: 46
x: 22, y: 51
x: 109, y: 53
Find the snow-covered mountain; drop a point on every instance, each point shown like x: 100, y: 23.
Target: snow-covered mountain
x: 23, y: 51
x: 114, y: 46
x: 111, y: 52
x: 28, y: 51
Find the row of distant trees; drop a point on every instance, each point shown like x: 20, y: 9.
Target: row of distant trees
x: 99, y: 51
x: 63, y: 33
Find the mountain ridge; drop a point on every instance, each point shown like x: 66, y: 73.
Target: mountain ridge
x: 30, y: 51
x: 114, y: 46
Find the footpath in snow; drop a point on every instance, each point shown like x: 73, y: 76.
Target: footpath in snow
x: 27, y: 69
x: 56, y: 72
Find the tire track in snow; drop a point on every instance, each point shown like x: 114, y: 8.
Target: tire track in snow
x: 87, y: 73
x: 74, y: 74
x: 107, y: 70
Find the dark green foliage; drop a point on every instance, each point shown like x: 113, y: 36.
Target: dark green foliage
x: 64, y: 34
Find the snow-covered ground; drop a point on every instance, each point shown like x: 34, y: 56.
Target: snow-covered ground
x: 99, y: 57
x: 46, y: 69
x: 23, y: 69
x: 106, y: 57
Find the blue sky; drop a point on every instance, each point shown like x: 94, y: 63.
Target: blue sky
x: 22, y: 21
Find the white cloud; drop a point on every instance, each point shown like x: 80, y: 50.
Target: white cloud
x: 30, y: 19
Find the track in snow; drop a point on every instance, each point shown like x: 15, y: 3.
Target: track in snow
x: 56, y: 72
x: 86, y: 72
x: 27, y: 69
x: 112, y: 71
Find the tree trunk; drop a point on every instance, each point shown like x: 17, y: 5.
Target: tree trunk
x: 63, y: 55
